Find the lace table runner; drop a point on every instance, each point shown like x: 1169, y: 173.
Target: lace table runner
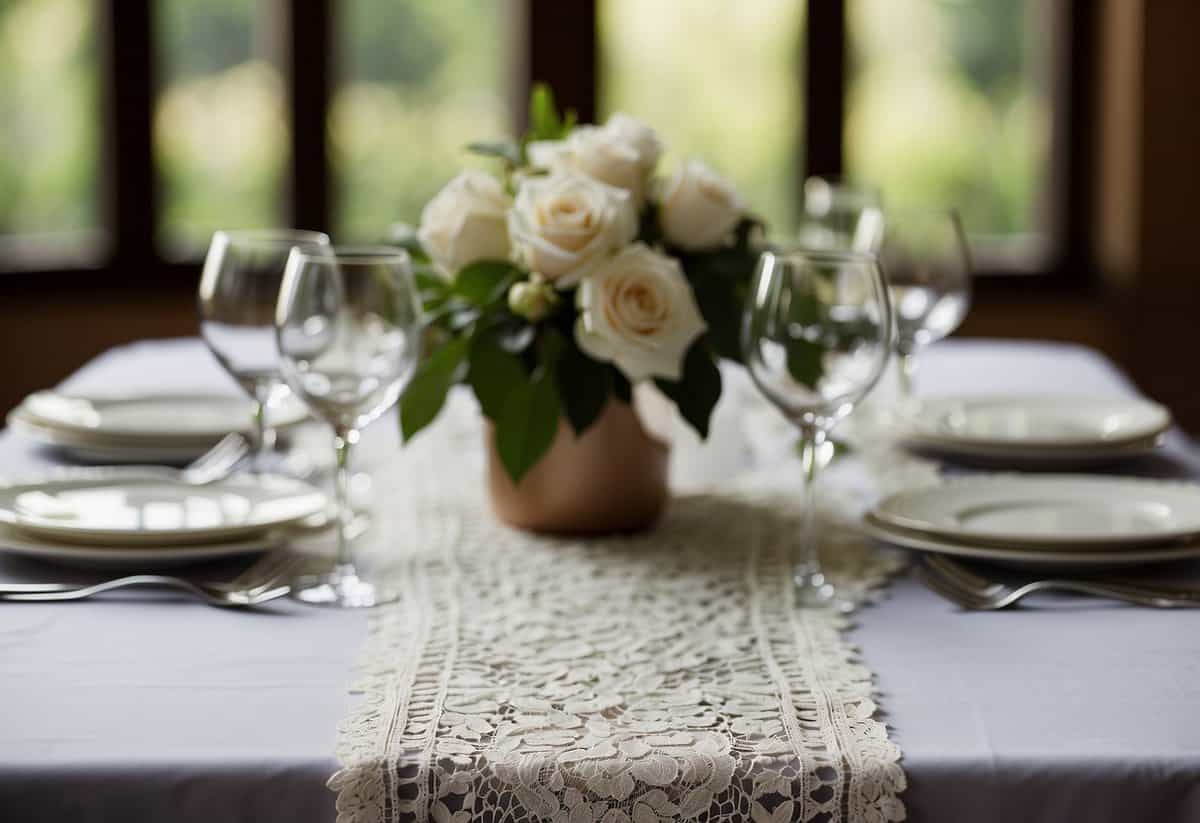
x: 658, y: 677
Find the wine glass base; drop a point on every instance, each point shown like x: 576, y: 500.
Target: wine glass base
x: 339, y: 591
x: 810, y: 594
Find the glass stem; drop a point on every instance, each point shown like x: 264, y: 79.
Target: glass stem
x: 908, y: 375
x: 264, y: 435
x: 807, y: 570
x: 342, y: 442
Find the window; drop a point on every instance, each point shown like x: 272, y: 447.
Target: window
x: 348, y: 115
x: 50, y: 132
x: 948, y: 103
x: 726, y: 87
x: 416, y: 82
x: 220, y: 130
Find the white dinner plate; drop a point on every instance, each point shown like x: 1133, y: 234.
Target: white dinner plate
x: 1053, y: 427
x: 155, y: 510
x: 131, y: 557
x: 1064, y: 512
x: 166, y: 419
x: 1033, y: 557
x: 87, y: 450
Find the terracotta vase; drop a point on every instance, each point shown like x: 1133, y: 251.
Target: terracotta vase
x: 611, y: 479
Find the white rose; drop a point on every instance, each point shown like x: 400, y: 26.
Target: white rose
x: 698, y: 209
x: 466, y: 221
x: 621, y: 153
x: 564, y: 225
x: 642, y: 137
x: 637, y: 311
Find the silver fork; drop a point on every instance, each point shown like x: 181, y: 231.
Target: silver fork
x: 971, y: 591
x: 209, y: 593
x: 215, y: 464
x: 272, y: 570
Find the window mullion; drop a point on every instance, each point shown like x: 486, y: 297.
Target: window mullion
x: 824, y: 88
x: 309, y: 74
x: 559, y: 48
x: 130, y: 194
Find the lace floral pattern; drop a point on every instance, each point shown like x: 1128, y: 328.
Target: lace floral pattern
x: 623, y: 680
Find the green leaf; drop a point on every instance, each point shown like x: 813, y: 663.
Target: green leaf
x: 720, y: 301
x: 434, y: 291
x: 484, y: 282
x: 494, y: 374
x: 698, y: 389
x: 544, y: 121
x: 620, y: 385
x: 426, y: 394
x: 405, y: 236
x: 805, y: 361
x: 805, y: 358
x: 551, y: 348
x: 506, y: 150
x: 527, y: 425
x: 584, y: 385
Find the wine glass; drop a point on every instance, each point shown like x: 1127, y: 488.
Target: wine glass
x: 349, y: 331
x: 239, y: 288
x: 841, y: 215
x: 817, y: 335
x: 928, y: 266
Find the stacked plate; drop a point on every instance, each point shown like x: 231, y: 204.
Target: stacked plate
x: 150, y: 428
x: 1043, y: 429
x: 1058, y: 520
x: 151, y: 520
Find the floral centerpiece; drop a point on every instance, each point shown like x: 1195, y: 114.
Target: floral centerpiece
x: 572, y: 273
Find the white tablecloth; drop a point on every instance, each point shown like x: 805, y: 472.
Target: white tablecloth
x: 141, y: 710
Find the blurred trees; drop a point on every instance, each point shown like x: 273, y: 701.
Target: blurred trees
x: 946, y: 105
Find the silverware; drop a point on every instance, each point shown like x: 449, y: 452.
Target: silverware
x: 971, y: 591
x: 211, y: 594
x: 215, y: 464
x: 274, y: 570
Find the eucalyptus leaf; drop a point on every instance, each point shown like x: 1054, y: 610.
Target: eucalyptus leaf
x: 515, y: 334
x: 527, y: 425
x: 698, y: 389
x: 426, y: 394
x: 506, y: 150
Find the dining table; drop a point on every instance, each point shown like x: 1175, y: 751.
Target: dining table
x: 151, y: 708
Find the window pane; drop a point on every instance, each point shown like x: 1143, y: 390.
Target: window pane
x: 220, y: 123
x: 418, y: 81
x: 948, y: 106
x: 720, y: 80
x: 49, y: 136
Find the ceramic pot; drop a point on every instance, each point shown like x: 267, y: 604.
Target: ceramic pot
x: 613, y: 478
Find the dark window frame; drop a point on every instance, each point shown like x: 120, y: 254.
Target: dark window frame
x: 550, y: 41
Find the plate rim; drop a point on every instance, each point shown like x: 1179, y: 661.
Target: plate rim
x: 95, y: 556
x: 946, y: 439
x: 1044, y: 542
x: 117, y: 451
x: 123, y: 438
x: 1131, y: 557
x: 41, y: 527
